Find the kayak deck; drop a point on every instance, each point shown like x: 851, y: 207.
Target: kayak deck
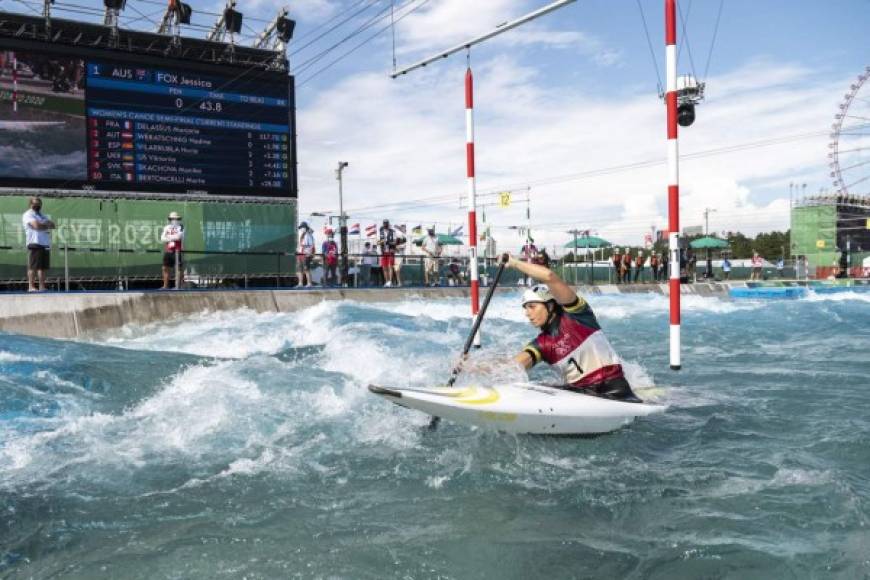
x: 521, y: 408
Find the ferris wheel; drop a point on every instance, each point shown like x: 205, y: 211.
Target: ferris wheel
x: 850, y: 140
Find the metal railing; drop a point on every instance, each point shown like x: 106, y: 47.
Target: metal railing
x: 89, y: 268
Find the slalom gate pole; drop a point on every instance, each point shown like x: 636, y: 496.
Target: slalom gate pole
x: 433, y: 424
x: 673, y: 180
x: 472, y: 198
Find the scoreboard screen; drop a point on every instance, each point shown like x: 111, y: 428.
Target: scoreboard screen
x: 96, y: 123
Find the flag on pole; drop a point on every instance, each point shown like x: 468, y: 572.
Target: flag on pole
x: 371, y: 231
x: 354, y: 230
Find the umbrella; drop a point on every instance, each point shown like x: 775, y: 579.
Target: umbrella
x: 708, y: 243
x: 445, y: 239
x: 588, y: 242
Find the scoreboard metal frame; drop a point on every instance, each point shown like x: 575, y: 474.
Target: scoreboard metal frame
x: 133, y: 48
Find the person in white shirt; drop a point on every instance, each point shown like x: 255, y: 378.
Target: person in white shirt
x: 37, y: 231
x: 369, y: 259
x: 306, y: 254
x: 173, y: 237
x: 431, y: 246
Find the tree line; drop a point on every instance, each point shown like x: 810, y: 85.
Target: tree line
x: 769, y: 245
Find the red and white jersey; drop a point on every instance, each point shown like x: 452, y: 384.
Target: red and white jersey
x: 173, y: 236
x: 575, y: 344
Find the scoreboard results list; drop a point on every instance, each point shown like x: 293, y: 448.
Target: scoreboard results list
x: 168, y: 128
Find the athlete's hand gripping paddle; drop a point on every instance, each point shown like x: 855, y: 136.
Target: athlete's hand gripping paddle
x: 433, y: 424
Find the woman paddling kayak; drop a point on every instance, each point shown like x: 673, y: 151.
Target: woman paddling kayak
x: 571, y: 338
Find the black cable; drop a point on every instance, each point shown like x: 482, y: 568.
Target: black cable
x: 686, y: 37
x: 713, y: 42
x: 353, y: 15
x: 360, y: 45
x: 651, y: 51
x: 368, y: 24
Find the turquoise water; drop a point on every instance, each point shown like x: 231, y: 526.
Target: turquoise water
x: 244, y: 445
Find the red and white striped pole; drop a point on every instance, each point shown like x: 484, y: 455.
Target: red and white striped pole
x: 673, y: 178
x: 472, y: 197
x: 14, y: 83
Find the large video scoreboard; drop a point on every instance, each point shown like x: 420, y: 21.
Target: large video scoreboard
x: 86, y: 119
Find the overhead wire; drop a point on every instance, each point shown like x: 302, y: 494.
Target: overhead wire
x: 441, y: 199
x: 685, y: 38
x: 713, y: 41
x: 361, y: 44
x: 297, y: 50
x: 306, y: 64
x: 651, y: 51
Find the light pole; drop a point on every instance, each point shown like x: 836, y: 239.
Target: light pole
x: 707, y: 212
x: 342, y: 222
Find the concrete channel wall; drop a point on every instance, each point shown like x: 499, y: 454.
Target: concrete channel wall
x: 70, y: 315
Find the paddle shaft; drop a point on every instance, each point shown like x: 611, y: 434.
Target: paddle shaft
x: 458, y: 368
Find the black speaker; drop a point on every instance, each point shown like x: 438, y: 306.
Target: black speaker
x: 284, y: 28
x: 232, y: 21
x: 184, y: 12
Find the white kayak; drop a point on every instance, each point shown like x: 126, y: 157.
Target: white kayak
x: 521, y: 408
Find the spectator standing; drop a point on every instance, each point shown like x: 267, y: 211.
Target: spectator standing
x: 692, y: 268
x: 432, y: 248
x: 306, y: 254
x: 173, y: 238
x: 638, y: 265
x: 454, y: 272
x: 780, y: 267
x: 664, y: 267
x: 726, y: 268
x: 626, y: 266
x: 401, y: 244
x: 37, y: 233
x: 387, y: 246
x: 757, y: 263
x: 528, y: 253
x: 654, y: 266
x: 329, y: 250
x: 616, y: 258
x: 369, y: 258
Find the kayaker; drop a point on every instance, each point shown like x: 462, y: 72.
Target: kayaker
x: 571, y: 338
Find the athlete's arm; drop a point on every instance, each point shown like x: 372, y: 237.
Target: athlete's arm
x: 525, y: 360
x: 563, y: 293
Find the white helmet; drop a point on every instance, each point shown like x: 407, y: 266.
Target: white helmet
x: 537, y: 293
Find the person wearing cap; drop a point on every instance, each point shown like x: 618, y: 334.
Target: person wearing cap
x: 329, y: 251
x: 37, y: 233
x: 173, y: 237
x: 305, y: 255
x: 387, y: 242
x: 431, y: 246
x: 570, y: 337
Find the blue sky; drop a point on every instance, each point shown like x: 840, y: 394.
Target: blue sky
x: 559, y: 103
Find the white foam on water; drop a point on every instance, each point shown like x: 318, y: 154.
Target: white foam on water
x: 849, y: 296
x: 13, y: 357
x: 187, y: 418
x: 230, y: 334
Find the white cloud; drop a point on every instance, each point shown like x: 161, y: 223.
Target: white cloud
x: 405, y: 140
